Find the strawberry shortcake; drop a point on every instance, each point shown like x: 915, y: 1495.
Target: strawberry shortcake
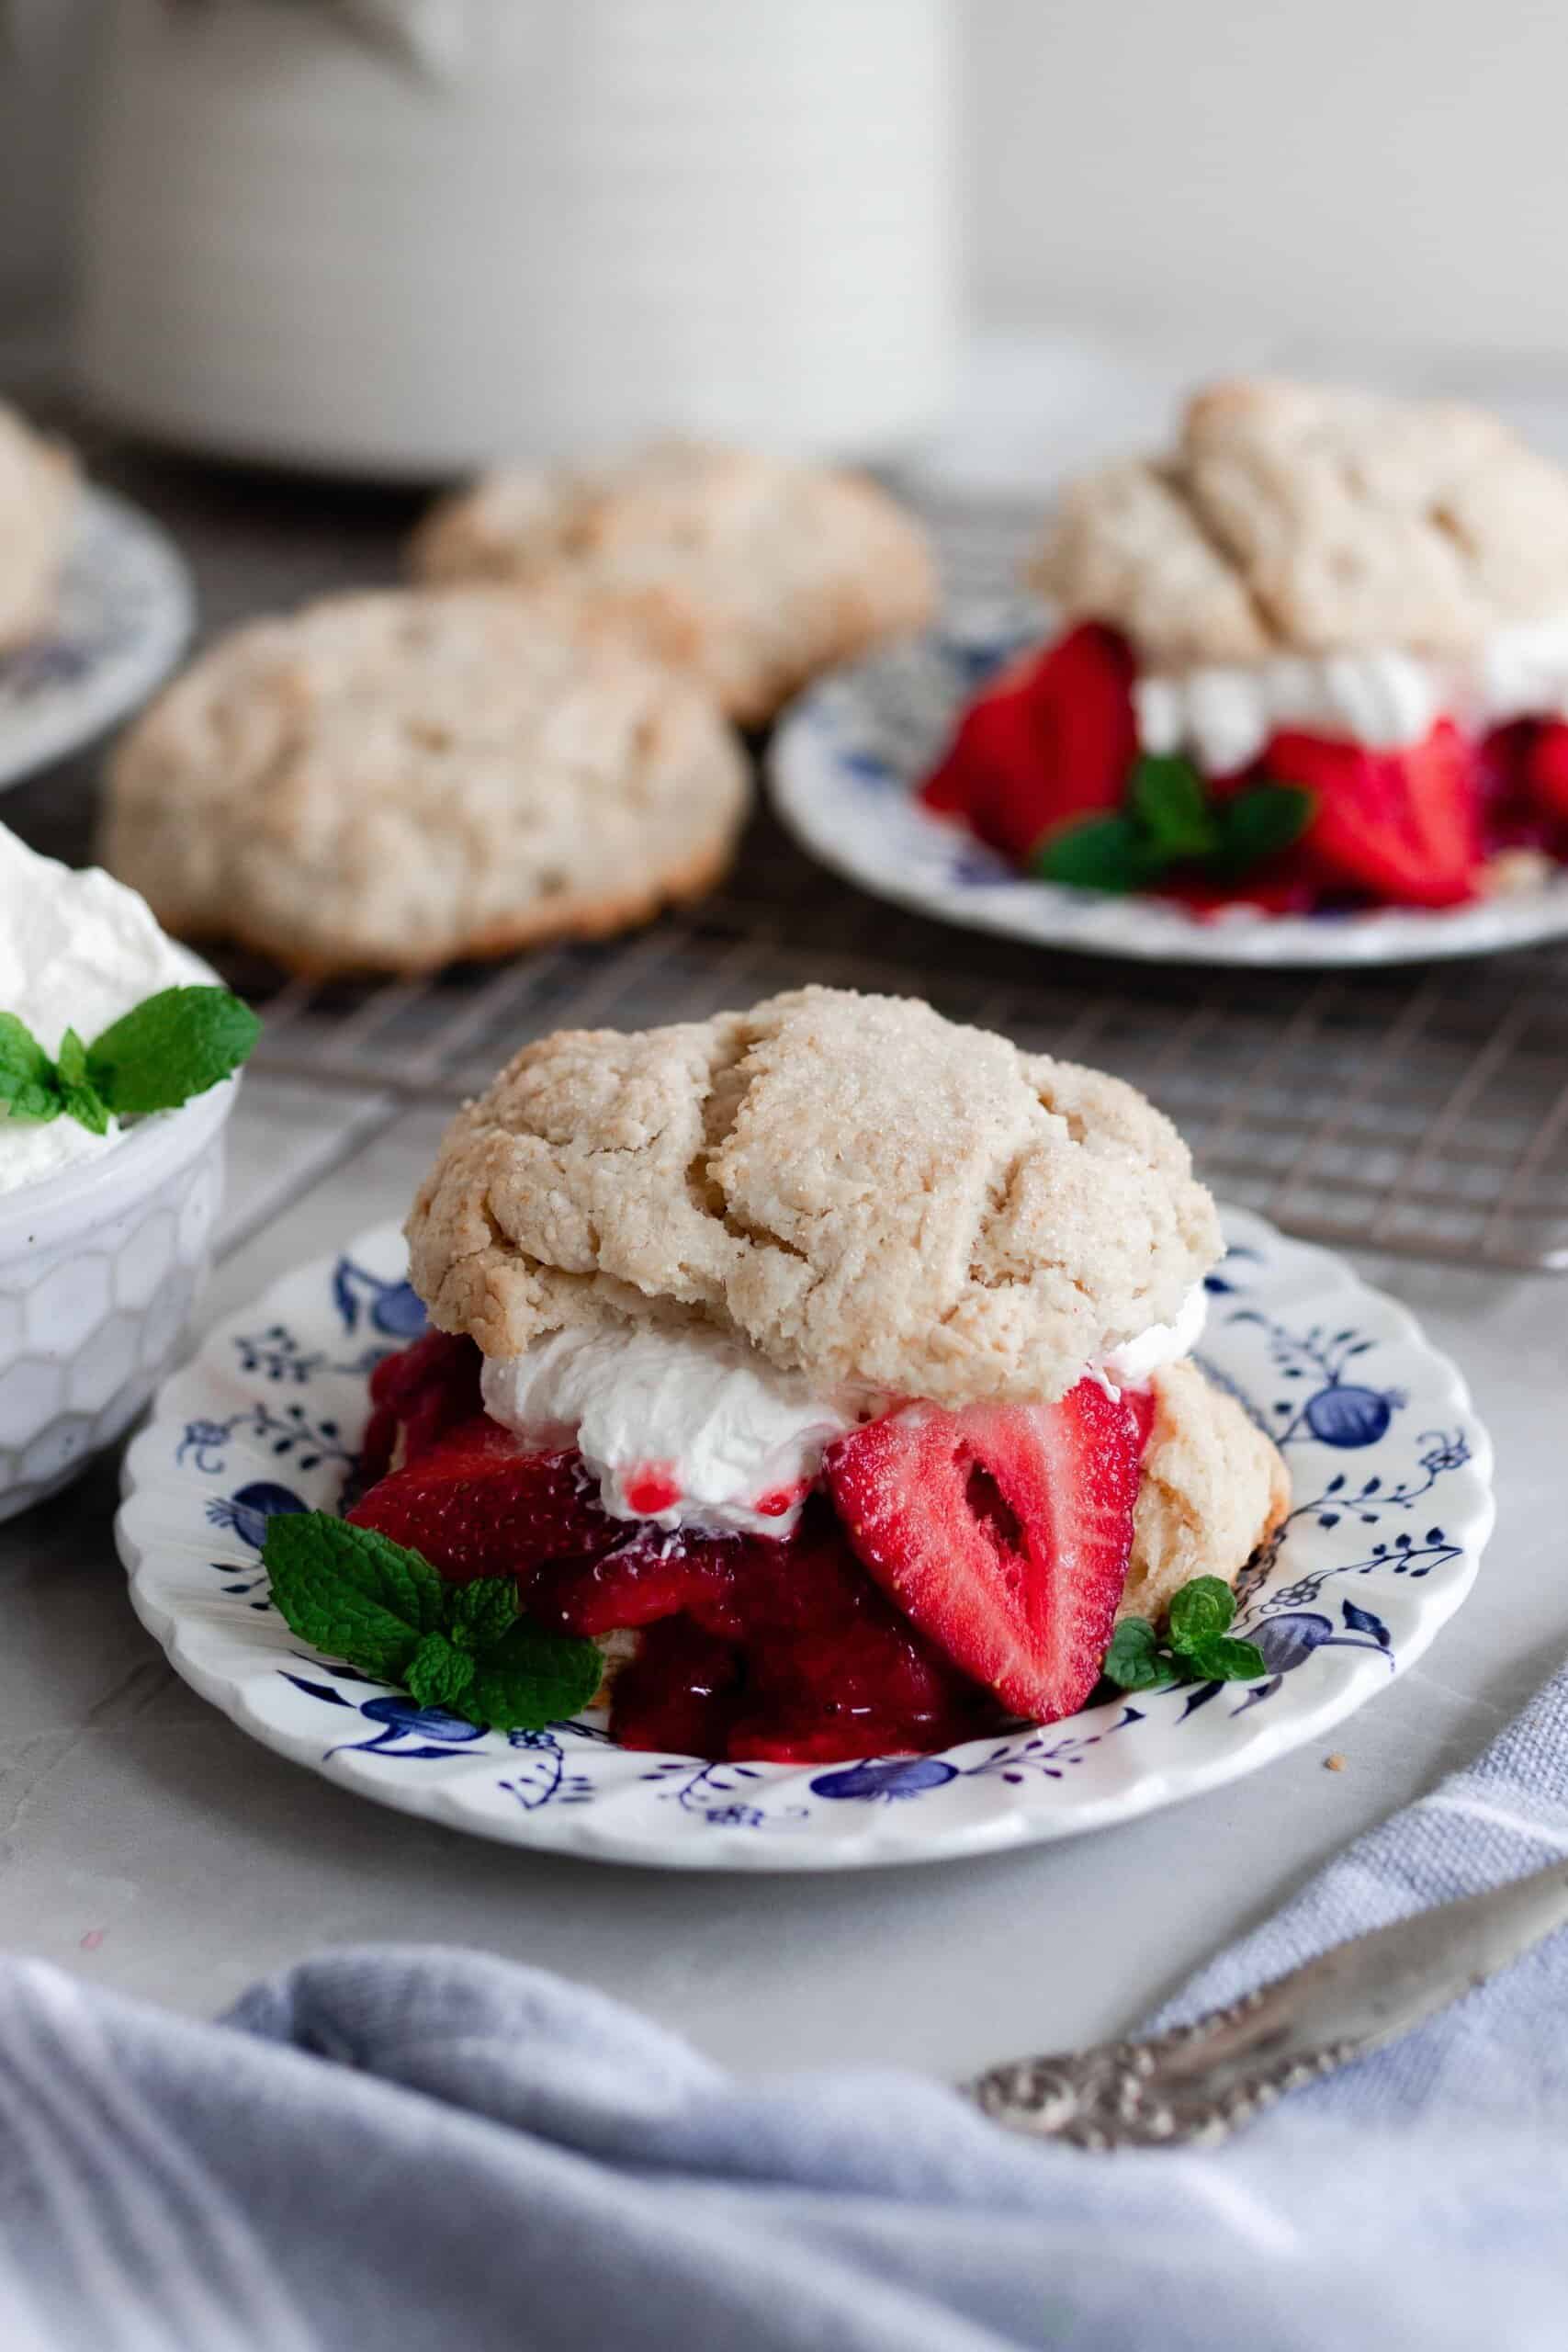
x: 830, y: 1364
x: 1314, y: 657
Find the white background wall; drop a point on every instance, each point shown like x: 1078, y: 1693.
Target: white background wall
x: 1387, y: 170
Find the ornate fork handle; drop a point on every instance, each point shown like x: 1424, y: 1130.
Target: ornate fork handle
x: 1202, y: 2081
x: 1138, y: 2095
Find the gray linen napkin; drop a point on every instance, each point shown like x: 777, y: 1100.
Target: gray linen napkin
x: 395, y: 2148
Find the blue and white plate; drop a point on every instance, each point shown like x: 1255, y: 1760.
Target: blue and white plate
x: 1393, y: 1505
x: 844, y: 763
x: 125, y: 609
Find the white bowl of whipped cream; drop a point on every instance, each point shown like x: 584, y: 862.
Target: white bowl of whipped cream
x: 104, y: 1238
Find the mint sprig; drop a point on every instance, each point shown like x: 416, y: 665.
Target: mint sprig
x: 1172, y: 817
x: 163, y: 1051
x: 1198, y: 1645
x: 29, y: 1083
x: 464, y: 1648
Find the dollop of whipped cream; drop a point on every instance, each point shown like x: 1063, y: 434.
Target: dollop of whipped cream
x: 1136, y: 1361
x: 76, y: 951
x: 687, y: 1427
x: 1221, y: 714
x: 681, y: 1425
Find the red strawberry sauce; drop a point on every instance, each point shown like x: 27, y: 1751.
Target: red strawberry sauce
x: 748, y: 1648
x: 652, y: 1487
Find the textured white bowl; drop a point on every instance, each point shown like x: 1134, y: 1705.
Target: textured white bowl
x: 99, y: 1269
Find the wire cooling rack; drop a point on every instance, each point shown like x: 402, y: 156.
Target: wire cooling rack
x: 1425, y: 1114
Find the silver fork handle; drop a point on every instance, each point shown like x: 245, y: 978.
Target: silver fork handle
x: 1203, y: 2081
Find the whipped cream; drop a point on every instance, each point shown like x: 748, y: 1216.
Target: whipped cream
x: 1221, y: 716
x: 680, y: 1424
x: 1136, y: 1361
x: 76, y: 951
x: 686, y: 1427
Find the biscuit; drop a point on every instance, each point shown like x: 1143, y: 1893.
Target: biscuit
x: 745, y: 572
x: 1214, y: 1488
x: 1293, y: 519
x: 391, y: 781
x: 39, y: 488
x: 866, y: 1192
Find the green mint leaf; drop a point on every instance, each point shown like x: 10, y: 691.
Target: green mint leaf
x: 28, y: 1088
x: 170, y: 1048
x: 1222, y: 1659
x: 72, y: 1062
x: 1098, y: 853
x: 1134, y: 1661
x: 478, y: 1615
x: 352, y: 1593
x: 530, y: 1678
x: 1170, y: 800
x: 1200, y: 1611
x: 1260, y: 822
x: 79, y: 1098
x: 438, y: 1673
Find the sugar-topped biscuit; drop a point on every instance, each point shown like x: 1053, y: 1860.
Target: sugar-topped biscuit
x: 390, y: 781
x: 39, y: 485
x: 1297, y: 518
x: 747, y: 572
x: 867, y: 1193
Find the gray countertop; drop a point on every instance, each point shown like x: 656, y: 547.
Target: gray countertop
x: 148, y: 1845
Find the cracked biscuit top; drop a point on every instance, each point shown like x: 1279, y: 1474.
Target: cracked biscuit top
x: 745, y: 572
x: 1293, y: 519
x: 868, y: 1194
x: 386, y: 780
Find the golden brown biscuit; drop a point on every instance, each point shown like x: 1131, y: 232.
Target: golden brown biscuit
x: 389, y: 782
x: 865, y: 1192
x: 1298, y: 518
x: 747, y: 573
x: 1214, y: 1488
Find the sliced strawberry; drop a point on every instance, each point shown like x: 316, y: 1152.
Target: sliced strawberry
x: 1003, y: 1532
x: 1403, y: 825
x: 1286, y: 884
x: 476, y: 1505
x: 1051, y: 739
x: 677, y: 1694
x: 760, y: 1649
x: 1546, y: 767
x: 418, y: 1392
x: 648, y: 1575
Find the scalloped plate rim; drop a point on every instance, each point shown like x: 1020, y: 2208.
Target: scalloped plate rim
x: 883, y: 1834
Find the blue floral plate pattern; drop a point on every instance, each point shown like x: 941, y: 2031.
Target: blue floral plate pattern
x: 844, y: 763
x: 1393, y: 1504
x: 125, y: 609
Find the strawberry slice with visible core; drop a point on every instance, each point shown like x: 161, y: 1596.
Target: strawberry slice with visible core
x: 1403, y: 825
x: 476, y: 1505
x: 1002, y: 1532
x: 1052, y: 737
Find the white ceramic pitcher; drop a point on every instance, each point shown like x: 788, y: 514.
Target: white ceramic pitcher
x: 571, y: 222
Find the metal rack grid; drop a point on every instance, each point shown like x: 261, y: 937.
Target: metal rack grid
x: 1422, y: 1111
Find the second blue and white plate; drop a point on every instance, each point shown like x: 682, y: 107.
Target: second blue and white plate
x: 1393, y: 1504
x: 845, y: 763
